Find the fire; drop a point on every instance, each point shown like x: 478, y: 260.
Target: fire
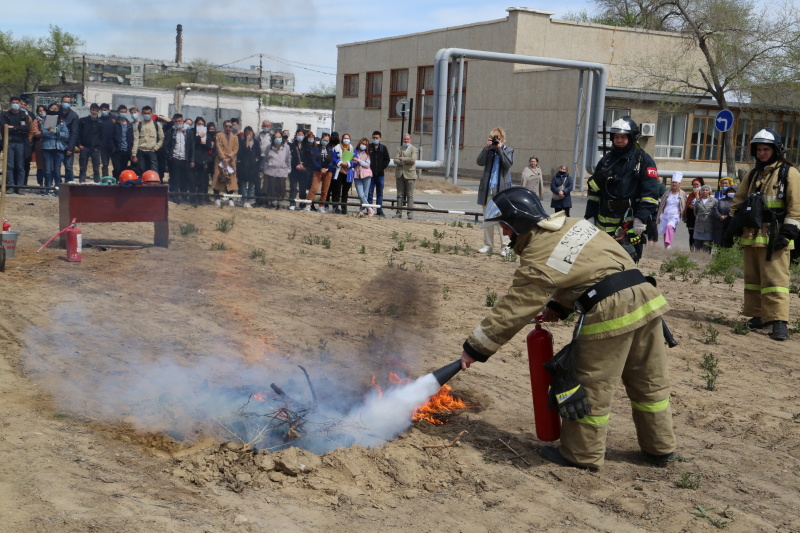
x: 440, y: 404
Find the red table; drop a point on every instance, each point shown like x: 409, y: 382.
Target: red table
x: 114, y: 203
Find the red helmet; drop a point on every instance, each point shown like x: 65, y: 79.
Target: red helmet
x: 128, y: 175
x: 151, y: 177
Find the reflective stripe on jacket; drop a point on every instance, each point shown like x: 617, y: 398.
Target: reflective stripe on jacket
x: 561, y: 264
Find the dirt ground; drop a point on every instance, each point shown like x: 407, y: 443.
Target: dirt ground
x: 107, y: 366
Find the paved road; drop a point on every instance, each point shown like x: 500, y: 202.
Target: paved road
x: 467, y: 202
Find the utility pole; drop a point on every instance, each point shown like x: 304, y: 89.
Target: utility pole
x: 260, y: 71
x: 83, y: 70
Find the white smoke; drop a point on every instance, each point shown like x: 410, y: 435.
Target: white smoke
x: 384, y: 417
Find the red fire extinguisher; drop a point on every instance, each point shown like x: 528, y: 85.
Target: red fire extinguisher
x: 540, y: 350
x: 74, y: 243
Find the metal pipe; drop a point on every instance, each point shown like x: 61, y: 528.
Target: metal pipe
x: 459, y: 102
x: 449, y: 117
x: 248, y: 90
x: 578, y: 109
x: 589, y: 128
x: 440, y: 101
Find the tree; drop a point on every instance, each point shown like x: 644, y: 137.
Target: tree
x: 732, y: 49
x: 25, y: 63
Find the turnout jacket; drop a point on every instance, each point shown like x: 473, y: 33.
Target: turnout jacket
x: 780, y: 201
x: 560, y: 260
x: 622, y: 177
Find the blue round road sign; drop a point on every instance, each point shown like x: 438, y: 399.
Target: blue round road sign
x: 724, y: 120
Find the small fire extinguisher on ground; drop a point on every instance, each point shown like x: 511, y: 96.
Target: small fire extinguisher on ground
x: 74, y: 243
x: 540, y: 350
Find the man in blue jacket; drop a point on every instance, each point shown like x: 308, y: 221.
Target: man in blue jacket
x: 121, y: 141
x: 70, y: 119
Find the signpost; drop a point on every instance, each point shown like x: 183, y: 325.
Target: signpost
x: 723, y: 122
x: 402, y: 109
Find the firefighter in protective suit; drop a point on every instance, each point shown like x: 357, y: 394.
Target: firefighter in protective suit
x: 565, y: 264
x: 773, y: 189
x: 623, y: 191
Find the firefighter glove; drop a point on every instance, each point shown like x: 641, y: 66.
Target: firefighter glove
x: 788, y: 232
x: 566, y: 393
x: 639, y: 226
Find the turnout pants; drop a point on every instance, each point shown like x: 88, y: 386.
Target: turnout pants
x: 639, y: 358
x: 766, y: 284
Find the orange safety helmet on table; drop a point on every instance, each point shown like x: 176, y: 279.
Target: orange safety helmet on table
x: 128, y: 178
x: 151, y: 177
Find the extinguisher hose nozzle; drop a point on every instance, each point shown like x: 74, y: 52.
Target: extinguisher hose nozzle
x: 444, y: 374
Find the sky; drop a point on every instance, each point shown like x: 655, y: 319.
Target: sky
x: 298, y: 37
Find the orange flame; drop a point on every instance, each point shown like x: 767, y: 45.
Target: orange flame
x: 440, y: 404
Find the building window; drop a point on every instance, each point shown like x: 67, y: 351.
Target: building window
x: 705, y: 137
x: 671, y: 135
x: 748, y: 125
x: 611, y: 115
x: 372, y: 99
x: 350, y: 85
x: 276, y: 83
x: 791, y: 137
x: 424, y: 117
x: 398, y: 90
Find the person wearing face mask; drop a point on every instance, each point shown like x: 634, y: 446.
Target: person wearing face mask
x: 19, y: 125
x: 362, y: 175
x: 54, y: 144
x: 25, y: 106
x: 691, y: 200
x: 705, y: 210
x: 70, y: 119
x: 321, y: 175
x: 298, y: 175
x: 275, y: 167
x: 179, y: 146
x: 107, y: 123
x: 249, y: 156
x: 307, y: 154
x: 723, y: 214
x: 148, y: 137
x: 35, y: 138
x: 202, y: 160
x: 121, y: 141
x: 342, y: 157
x: 90, y: 137
x: 773, y: 188
x: 135, y: 115
x: 379, y: 159
x: 406, y: 175
x: 722, y: 188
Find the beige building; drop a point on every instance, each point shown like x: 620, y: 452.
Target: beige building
x: 536, y: 105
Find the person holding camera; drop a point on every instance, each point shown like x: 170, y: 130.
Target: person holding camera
x: 496, y: 159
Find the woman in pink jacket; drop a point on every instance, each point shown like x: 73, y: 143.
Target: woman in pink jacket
x: 362, y: 174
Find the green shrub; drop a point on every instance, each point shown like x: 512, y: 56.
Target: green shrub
x: 188, y: 229
x: 225, y: 225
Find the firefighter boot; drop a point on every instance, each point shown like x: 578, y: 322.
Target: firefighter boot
x: 779, y: 331
x: 551, y: 453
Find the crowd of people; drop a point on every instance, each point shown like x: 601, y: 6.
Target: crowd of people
x: 192, y: 155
